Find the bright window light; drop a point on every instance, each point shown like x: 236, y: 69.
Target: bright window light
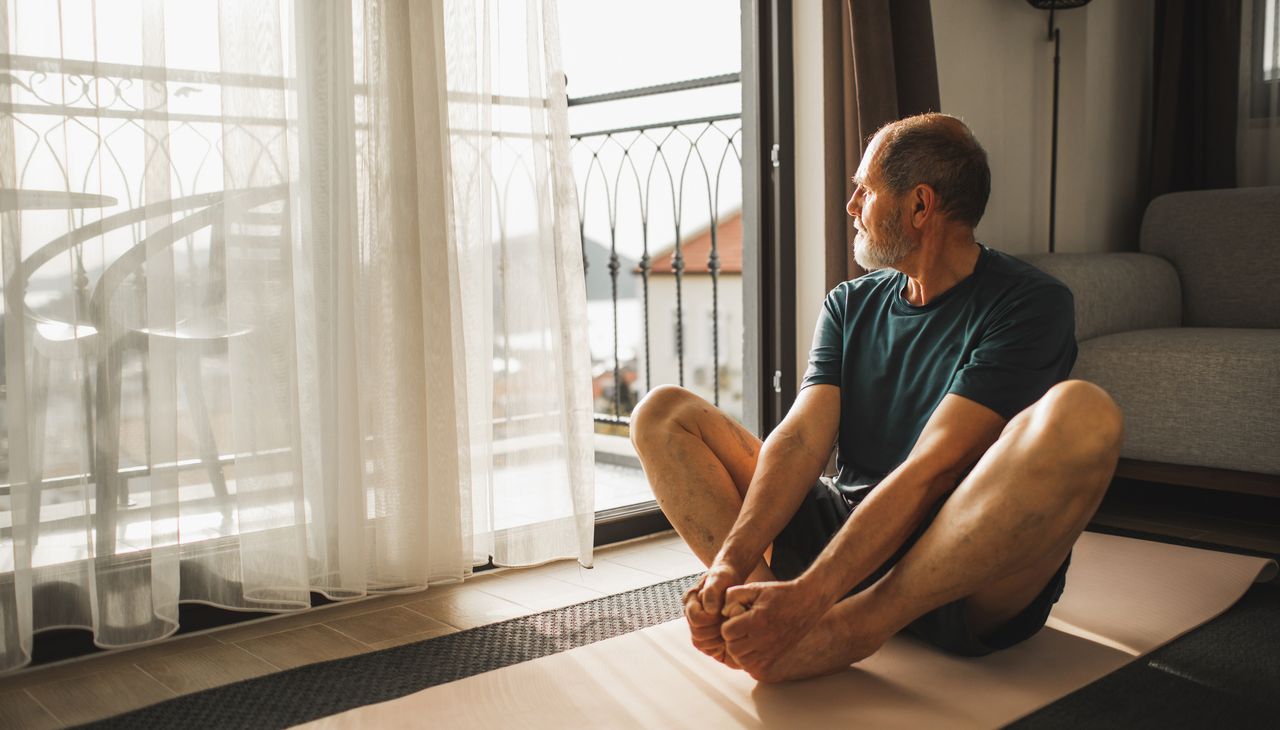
x: 1271, y: 41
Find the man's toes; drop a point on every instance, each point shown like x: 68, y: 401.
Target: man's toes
x: 698, y: 617
x: 709, y: 646
x: 705, y: 633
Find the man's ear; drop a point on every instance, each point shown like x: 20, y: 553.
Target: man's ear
x: 923, y: 201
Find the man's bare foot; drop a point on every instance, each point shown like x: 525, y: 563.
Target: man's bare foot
x: 831, y: 646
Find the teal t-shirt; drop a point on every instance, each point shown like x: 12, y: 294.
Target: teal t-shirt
x: 1001, y: 337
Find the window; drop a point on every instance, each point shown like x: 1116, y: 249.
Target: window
x: 1263, y: 59
x: 1271, y: 41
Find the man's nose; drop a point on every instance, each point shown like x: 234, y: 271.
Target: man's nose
x: 854, y: 206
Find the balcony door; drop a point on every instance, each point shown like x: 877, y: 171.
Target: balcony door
x: 669, y: 127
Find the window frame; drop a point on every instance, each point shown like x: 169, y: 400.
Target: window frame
x: 1262, y: 91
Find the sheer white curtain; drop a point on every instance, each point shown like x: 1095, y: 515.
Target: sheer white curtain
x: 1258, y: 136
x: 293, y: 302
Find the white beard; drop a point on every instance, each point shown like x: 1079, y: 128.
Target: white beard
x: 890, y: 247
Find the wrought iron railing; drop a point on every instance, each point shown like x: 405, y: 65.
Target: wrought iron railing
x: 682, y: 163
x: 679, y: 167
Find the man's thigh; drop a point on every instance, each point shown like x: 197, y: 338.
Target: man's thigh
x: 1005, y: 612
x: 998, y: 603
x: 1011, y: 598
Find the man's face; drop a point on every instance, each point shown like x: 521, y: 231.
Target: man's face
x: 881, y: 241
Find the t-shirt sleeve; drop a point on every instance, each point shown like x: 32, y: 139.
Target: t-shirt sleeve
x: 826, y: 354
x: 1028, y: 346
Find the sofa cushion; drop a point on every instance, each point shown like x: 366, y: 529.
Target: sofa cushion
x: 1225, y: 248
x: 1196, y: 396
x: 1116, y: 292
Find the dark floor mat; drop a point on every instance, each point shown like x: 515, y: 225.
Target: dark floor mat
x: 318, y: 690
x: 1225, y: 674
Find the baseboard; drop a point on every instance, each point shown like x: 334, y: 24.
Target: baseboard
x: 1244, y: 482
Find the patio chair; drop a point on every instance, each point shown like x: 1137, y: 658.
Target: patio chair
x: 103, y: 369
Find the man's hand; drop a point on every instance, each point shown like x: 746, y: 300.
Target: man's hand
x: 765, y: 620
x: 703, y: 609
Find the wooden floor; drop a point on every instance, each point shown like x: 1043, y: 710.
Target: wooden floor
x: 101, y: 685
x: 1240, y: 521
x: 80, y: 690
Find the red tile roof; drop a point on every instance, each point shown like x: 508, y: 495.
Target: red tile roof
x: 696, y: 250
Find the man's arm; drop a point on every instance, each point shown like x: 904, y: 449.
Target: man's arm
x: 766, y: 619
x: 791, y: 459
x: 957, y: 434
x: 1028, y: 345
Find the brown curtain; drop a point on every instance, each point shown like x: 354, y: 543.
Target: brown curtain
x: 878, y: 66
x: 1197, y: 67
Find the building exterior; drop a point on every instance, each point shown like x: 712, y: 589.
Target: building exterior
x: 691, y: 333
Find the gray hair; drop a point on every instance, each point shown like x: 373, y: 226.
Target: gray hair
x: 937, y: 150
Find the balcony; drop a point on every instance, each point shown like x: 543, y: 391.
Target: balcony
x: 660, y: 216
x: 663, y: 281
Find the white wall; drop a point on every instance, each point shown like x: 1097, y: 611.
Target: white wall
x: 806, y: 45
x: 698, y: 353
x: 1118, y: 88
x: 995, y: 71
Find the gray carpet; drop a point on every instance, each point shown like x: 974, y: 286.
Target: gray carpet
x: 1224, y: 674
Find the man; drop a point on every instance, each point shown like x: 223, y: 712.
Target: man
x: 967, y: 466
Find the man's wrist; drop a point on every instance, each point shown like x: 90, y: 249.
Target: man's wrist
x: 818, y: 585
x: 735, y: 558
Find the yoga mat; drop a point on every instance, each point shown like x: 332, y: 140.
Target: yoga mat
x: 1124, y: 598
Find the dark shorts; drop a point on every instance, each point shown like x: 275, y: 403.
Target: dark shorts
x: 825, y: 510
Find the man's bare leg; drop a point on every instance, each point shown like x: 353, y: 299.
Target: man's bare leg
x: 699, y: 463
x: 998, y: 539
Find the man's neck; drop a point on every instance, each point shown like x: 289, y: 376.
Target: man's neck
x: 937, y: 265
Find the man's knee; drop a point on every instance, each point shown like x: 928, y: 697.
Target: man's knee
x: 1081, y: 417
x: 662, y: 406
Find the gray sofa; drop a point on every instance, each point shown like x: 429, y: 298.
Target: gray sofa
x: 1185, y: 335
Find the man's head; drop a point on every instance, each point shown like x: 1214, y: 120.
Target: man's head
x: 919, y: 175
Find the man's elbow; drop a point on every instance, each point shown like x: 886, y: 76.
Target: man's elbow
x: 939, y: 471
x: 795, y: 442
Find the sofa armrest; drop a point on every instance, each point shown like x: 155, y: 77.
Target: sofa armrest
x: 1116, y: 292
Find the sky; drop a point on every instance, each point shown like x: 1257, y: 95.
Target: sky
x: 671, y: 40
